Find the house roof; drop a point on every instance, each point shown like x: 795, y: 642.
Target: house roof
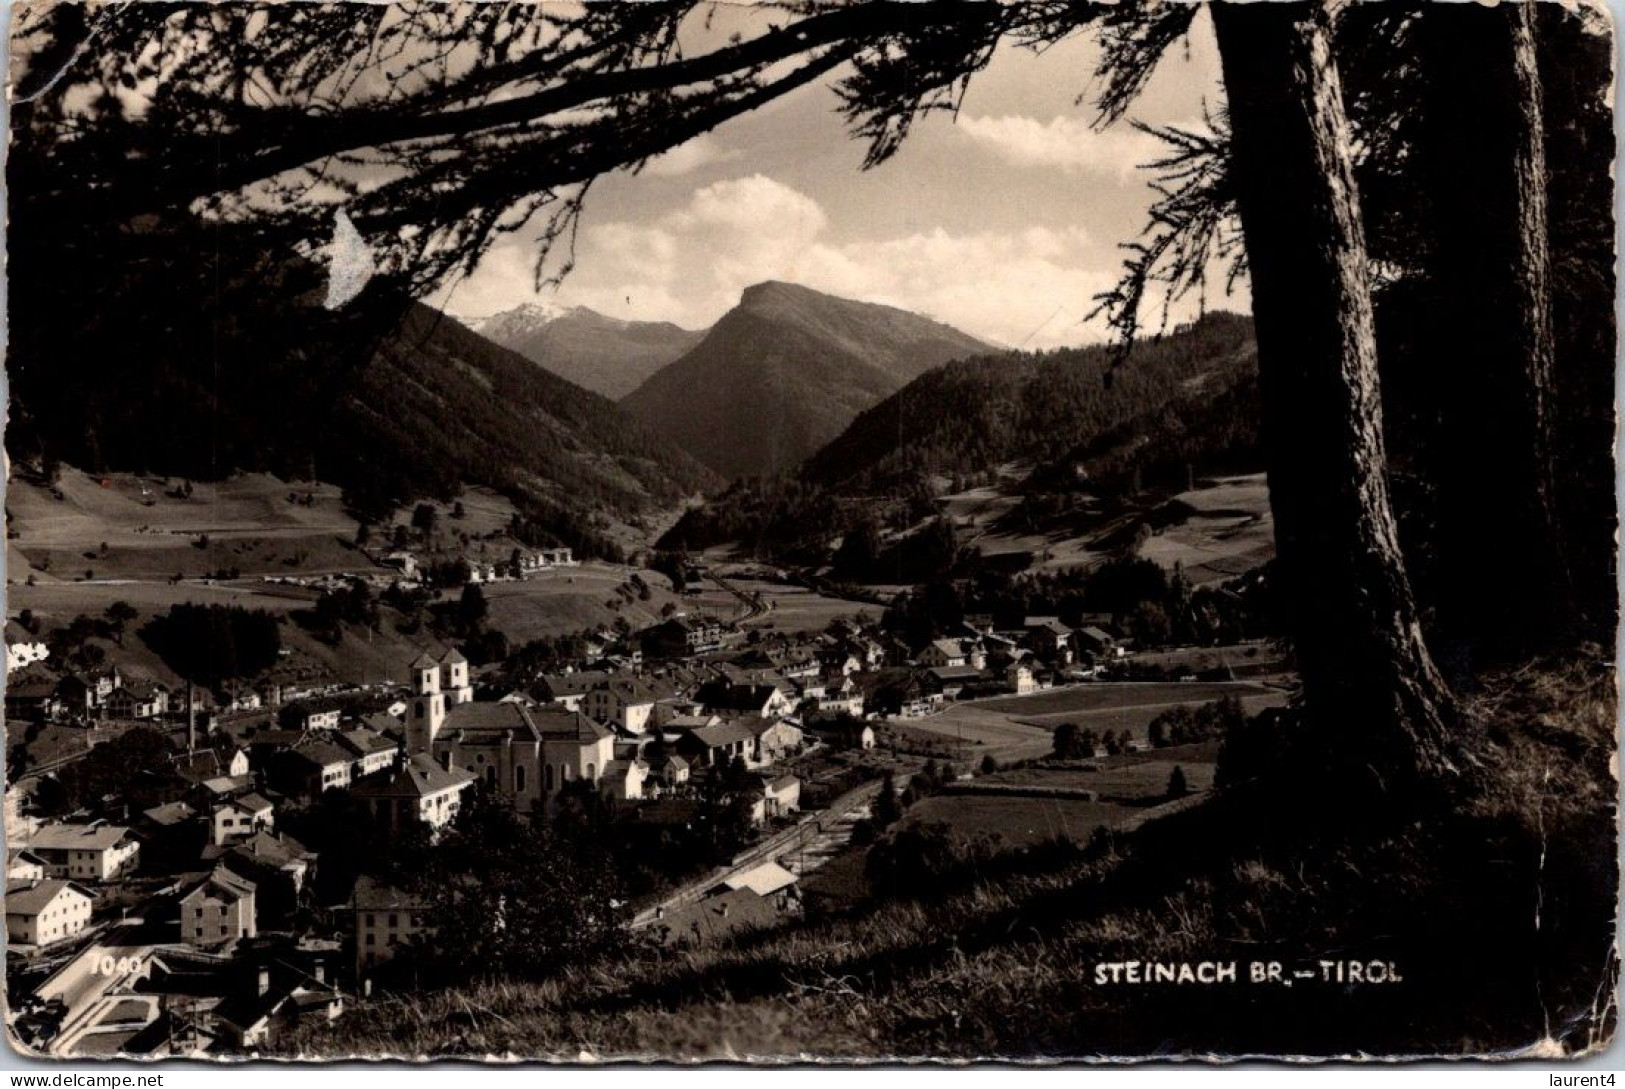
x: 782, y: 783
x: 764, y: 879
x: 77, y: 837
x: 271, y: 849
x: 724, y: 733
x: 365, y: 742
x: 574, y: 684
x: 254, y: 803
x: 949, y: 647
x: 32, y: 688
x: 166, y: 816
x: 1048, y: 623
x: 140, y: 689
x: 223, y: 881
x: 955, y: 673
x: 372, y: 894
x: 31, y: 899
x: 417, y: 778
x: 322, y: 754
x: 1097, y: 634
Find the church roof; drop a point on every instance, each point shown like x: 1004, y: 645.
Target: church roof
x: 491, y: 718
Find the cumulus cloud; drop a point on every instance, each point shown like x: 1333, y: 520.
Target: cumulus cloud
x: 1064, y: 143
x: 1028, y: 287
x: 698, y: 153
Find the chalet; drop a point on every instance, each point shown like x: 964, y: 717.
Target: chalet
x: 220, y: 908
x: 840, y: 660
x: 138, y: 700
x: 32, y: 697
x: 719, y: 744
x: 417, y: 791
x: 310, y: 715
x: 907, y: 695
x: 42, y: 913
x: 846, y: 733
x: 1096, y: 642
x: 386, y: 918
x: 1047, y: 636
x: 681, y: 637
x: 736, y: 691
x: 23, y: 647
x: 85, y: 852
x: 372, y: 751
x: 943, y: 654
x: 953, y: 679
x: 624, y: 780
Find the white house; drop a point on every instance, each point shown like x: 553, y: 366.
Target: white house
x: 419, y: 791
x: 41, y: 913
x: 219, y: 909
x: 85, y: 852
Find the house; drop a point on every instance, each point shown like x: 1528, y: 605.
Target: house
x: 373, y: 752
x: 85, y: 852
x: 23, y: 865
x: 845, y: 733
x: 311, y: 768
x: 625, y: 703
x: 32, y: 697
x: 673, y: 771
x: 781, y: 796
x: 1019, y: 676
x: 280, y: 867
x: 385, y: 918
x: 205, y: 764
x: 681, y: 637
x: 239, y: 818
x: 943, y: 654
x: 953, y: 679
x: 768, y: 880
x: 718, y: 745
x: 624, y: 780
x: 1097, y: 642
x: 139, y: 700
x: 312, y: 714
x: 1047, y: 637
x: 220, y: 908
x: 44, y: 912
x: 271, y: 1000
x: 776, y: 738
x: 417, y: 791
x: 569, y: 689
x: 23, y: 647
x: 764, y: 694
x: 171, y: 837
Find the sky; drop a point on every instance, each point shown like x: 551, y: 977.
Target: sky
x: 1004, y: 222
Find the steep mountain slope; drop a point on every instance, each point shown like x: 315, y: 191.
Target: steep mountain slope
x: 784, y: 371
x: 603, y: 354
x: 202, y: 359
x: 1070, y: 405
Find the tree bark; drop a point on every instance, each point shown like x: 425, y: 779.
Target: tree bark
x: 1370, y: 687
x: 1485, y: 161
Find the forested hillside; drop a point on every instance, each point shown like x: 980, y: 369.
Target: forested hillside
x: 213, y: 360
x: 1185, y: 388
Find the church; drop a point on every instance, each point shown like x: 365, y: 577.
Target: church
x: 525, y: 754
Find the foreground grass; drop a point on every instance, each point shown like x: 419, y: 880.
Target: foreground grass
x: 1498, y: 910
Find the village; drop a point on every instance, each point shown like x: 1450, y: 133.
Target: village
x: 197, y: 905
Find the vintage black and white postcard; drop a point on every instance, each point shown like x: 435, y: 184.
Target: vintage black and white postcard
x: 810, y: 531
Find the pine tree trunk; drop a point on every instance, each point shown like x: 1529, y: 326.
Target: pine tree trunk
x: 1370, y: 687
x: 1485, y: 160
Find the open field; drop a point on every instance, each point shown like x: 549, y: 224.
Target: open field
x: 1019, y: 821
x: 571, y: 599
x: 1133, y: 777
x: 1231, y: 532
x: 126, y: 525
x: 983, y: 732
x: 1105, y: 696
x: 1137, y: 720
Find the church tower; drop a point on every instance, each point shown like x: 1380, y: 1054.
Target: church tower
x: 427, y: 712
x: 454, y: 678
